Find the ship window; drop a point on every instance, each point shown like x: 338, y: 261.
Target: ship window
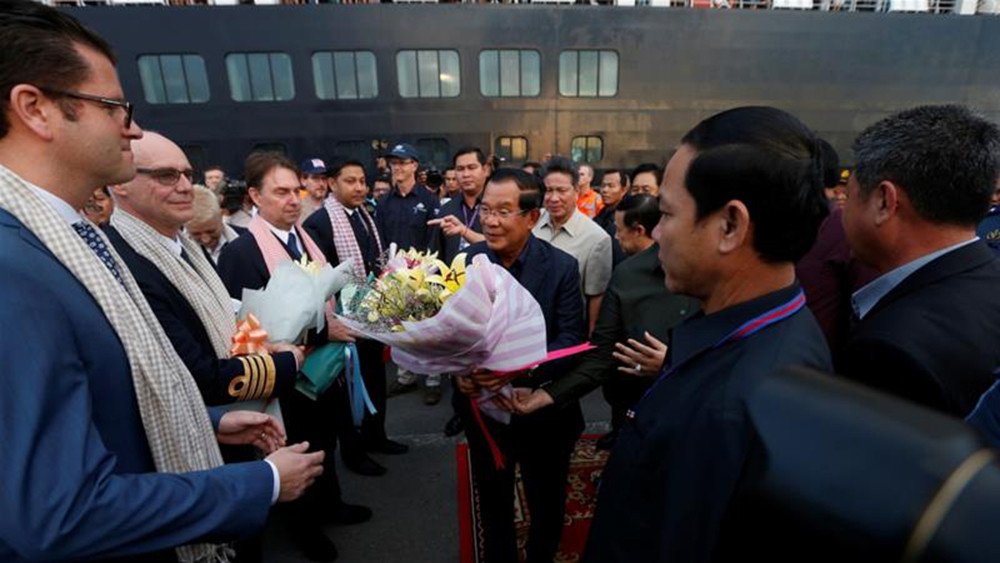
x: 260, y: 77
x: 587, y: 149
x: 173, y: 79
x: 428, y: 74
x: 345, y: 75
x: 509, y: 73
x: 588, y: 73
x: 434, y: 151
x: 512, y: 149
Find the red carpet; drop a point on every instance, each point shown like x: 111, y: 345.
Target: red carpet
x: 584, y: 469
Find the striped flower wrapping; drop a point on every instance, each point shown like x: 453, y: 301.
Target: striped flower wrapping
x: 492, y: 322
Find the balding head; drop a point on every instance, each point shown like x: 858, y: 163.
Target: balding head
x: 161, y: 193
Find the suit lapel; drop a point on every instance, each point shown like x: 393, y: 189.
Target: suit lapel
x: 966, y: 258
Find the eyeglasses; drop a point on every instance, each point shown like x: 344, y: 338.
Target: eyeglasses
x: 125, y: 105
x: 166, y: 176
x: 502, y: 214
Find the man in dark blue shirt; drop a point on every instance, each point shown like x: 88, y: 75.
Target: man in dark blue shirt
x: 741, y: 202
x: 402, y: 214
x: 540, y: 442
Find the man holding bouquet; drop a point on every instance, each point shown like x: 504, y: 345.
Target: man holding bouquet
x: 343, y: 230
x: 247, y: 263
x: 540, y: 442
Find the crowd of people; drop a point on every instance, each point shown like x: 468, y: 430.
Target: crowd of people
x: 133, y: 432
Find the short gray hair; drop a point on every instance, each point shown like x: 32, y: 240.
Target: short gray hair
x: 946, y: 158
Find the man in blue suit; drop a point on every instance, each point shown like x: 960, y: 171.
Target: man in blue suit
x: 109, y: 451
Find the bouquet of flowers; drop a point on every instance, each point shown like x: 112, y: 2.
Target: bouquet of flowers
x: 294, y: 300
x: 441, y: 318
x: 293, y: 303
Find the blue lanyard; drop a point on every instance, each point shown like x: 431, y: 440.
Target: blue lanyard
x: 745, y: 330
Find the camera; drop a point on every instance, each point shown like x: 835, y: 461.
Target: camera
x: 434, y: 179
x: 234, y: 193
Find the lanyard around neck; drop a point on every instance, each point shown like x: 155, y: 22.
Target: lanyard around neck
x: 744, y: 331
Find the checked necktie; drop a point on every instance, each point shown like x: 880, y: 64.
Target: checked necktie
x: 94, y: 241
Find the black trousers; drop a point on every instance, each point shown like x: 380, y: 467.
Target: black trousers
x: 372, y: 431
x: 315, y: 422
x: 541, y: 443
x: 622, y: 392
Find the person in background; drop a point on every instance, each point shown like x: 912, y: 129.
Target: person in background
x: 451, y: 187
x: 828, y: 273
x: 571, y: 231
x: 646, y: 179
x: 989, y: 228
x: 214, y: 177
x: 458, y: 225
x: 316, y: 185
x: 531, y: 167
x: 614, y: 187
x: 206, y: 226
x: 99, y: 206
x: 836, y: 193
x: 402, y: 217
x: 589, y: 201
x: 381, y: 186
x: 238, y: 208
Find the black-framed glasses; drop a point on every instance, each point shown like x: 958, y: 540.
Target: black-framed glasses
x: 124, y: 104
x: 166, y: 176
x: 502, y: 214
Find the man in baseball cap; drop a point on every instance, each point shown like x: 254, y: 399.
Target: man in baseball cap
x: 313, y: 173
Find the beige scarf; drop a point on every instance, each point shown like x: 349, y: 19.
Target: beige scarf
x: 177, y: 426
x: 197, y: 281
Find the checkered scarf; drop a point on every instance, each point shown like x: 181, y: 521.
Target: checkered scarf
x: 343, y: 235
x: 177, y: 426
x: 197, y: 281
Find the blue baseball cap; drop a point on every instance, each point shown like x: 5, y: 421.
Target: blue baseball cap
x: 313, y: 166
x: 404, y: 150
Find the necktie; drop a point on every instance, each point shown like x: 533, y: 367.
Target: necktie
x: 363, y: 236
x: 293, y: 247
x: 94, y: 241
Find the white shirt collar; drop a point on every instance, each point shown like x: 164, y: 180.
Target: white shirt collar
x: 59, y: 205
x: 283, y: 235
x: 172, y: 244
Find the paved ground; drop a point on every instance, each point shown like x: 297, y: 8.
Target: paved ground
x: 415, y: 503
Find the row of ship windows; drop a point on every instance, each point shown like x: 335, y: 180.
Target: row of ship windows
x: 437, y: 151
x: 351, y: 75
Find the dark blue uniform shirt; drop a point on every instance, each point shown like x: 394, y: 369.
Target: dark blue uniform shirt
x: 673, y: 474
x: 403, y: 219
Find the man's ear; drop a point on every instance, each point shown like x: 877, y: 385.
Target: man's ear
x: 734, y: 226
x: 887, y: 197
x: 33, y: 111
x: 254, y: 194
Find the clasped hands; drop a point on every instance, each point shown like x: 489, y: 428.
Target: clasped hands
x: 297, y: 468
x: 521, y: 400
